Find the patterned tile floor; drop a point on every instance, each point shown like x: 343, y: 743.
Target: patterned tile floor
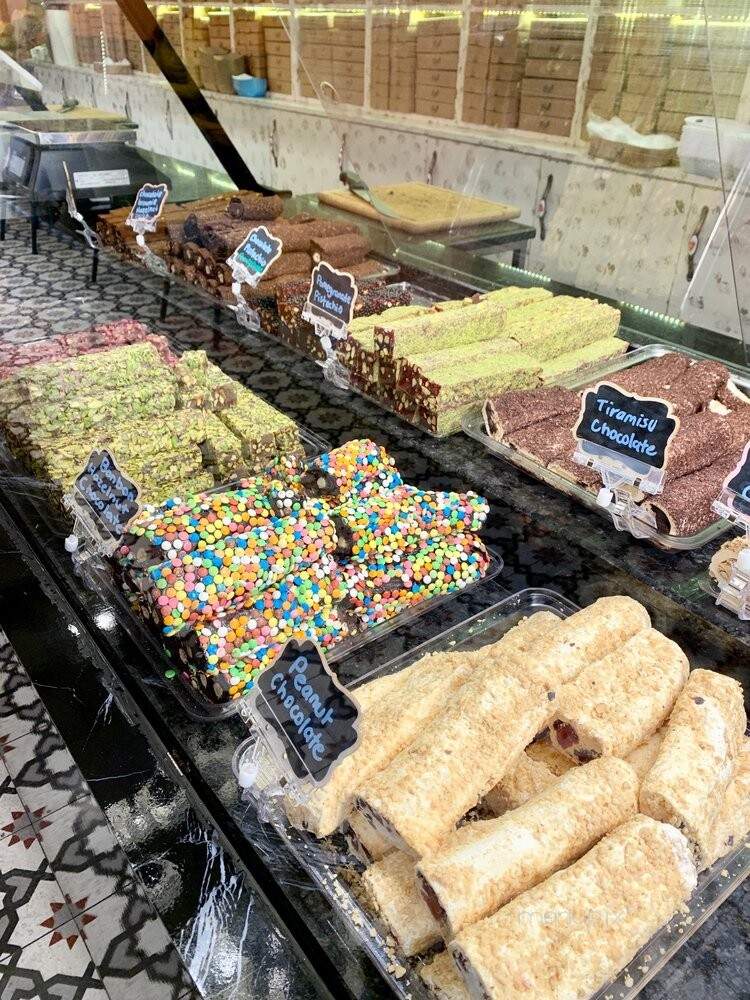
x: 75, y: 920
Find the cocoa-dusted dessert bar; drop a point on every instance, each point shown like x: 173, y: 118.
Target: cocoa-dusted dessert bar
x: 512, y: 411
x: 545, y: 441
x: 685, y: 506
x: 255, y: 206
x: 340, y: 251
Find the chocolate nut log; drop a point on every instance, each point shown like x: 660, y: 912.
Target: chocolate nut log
x: 392, y: 886
x: 252, y: 206
x: 685, y: 505
x: 696, y: 761
x: 421, y: 795
x: 539, y: 766
x: 618, y: 702
x: 733, y: 821
x: 386, y: 729
x: 340, y: 251
x: 512, y: 411
x: 481, y: 866
x: 570, y: 935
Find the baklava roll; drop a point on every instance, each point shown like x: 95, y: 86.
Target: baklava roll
x: 455, y: 761
x: 689, y: 778
x: 392, y: 886
x: 585, y: 636
x: 733, y: 822
x: 617, y: 702
x: 481, y: 866
x: 385, y: 729
x: 642, y: 758
x: 365, y: 843
x: 538, y: 766
x: 442, y: 978
x: 573, y: 933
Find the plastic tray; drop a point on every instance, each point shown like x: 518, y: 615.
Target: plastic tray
x: 473, y: 425
x: 331, y: 867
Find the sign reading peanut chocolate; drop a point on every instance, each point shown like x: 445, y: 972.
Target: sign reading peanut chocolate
x: 302, y: 705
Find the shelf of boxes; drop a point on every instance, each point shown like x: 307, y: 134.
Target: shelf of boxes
x: 540, y: 69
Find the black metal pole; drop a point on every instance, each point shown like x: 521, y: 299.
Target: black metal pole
x: 188, y: 93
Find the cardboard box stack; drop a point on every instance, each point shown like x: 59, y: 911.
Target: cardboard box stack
x: 700, y: 82
x: 380, y: 65
x: 438, y: 41
x: 348, y: 58
x: 249, y: 41
x: 195, y: 35
x: 278, y: 53
x: 551, y: 75
x: 507, y: 59
x: 87, y: 26
x: 316, y: 54
x: 403, y: 66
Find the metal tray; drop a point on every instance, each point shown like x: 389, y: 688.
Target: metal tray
x: 333, y: 869
x: 473, y: 425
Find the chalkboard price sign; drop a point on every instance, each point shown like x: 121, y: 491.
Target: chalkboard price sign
x: 331, y: 298
x: 110, y: 495
x: 638, y: 429
x: 148, y: 206
x: 308, y: 711
x: 738, y: 484
x: 253, y: 257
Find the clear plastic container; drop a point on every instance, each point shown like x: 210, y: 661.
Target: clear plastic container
x: 333, y: 869
x: 473, y: 425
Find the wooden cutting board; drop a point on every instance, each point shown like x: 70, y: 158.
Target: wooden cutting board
x: 422, y: 208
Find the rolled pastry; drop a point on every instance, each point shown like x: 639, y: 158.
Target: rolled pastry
x: 482, y: 865
x: 384, y: 731
x: 617, y: 702
x: 733, y: 822
x: 688, y: 781
x: 570, y: 935
x: 392, y: 886
x: 365, y: 843
x: 588, y: 635
x: 538, y: 766
x: 443, y: 979
x: 514, y: 410
x: 386, y: 728
x: 455, y: 761
x: 642, y: 758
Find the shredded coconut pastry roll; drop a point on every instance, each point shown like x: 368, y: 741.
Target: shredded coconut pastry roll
x: 392, y: 886
x: 642, y: 758
x: 688, y: 781
x: 588, y: 635
x: 365, y: 843
x: 733, y: 822
x: 538, y: 766
x: 443, y: 979
x: 568, y: 936
x: 426, y: 790
x: 483, y: 865
x: 618, y: 702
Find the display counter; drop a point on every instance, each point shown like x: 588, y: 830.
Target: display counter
x: 545, y: 541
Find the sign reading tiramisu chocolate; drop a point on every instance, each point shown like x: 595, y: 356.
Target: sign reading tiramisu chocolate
x: 147, y: 207
x: 254, y: 256
x: 301, y: 705
x: 330, y: 300
x: 631, y: 429
x: 108, y: 494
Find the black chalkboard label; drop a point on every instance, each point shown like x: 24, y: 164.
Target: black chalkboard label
x: 738, y: 482
x: 148, y: 203
x: 310, y: 712
x: 257, y: 252
x: 638, y: 429
x: 332, y: 295
x: 112, y: 497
